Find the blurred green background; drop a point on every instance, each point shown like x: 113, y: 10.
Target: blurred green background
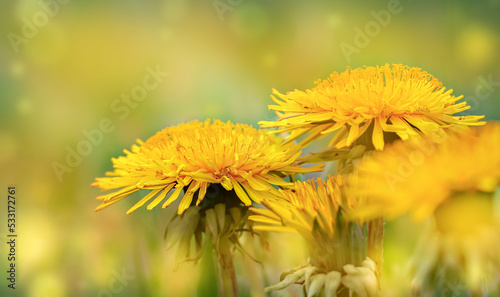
x: 93, y: 76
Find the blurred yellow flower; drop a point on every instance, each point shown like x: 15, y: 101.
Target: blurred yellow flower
x: 463, y: 241
x: 314, y: 209
x: 418, y: 176
x: 452, y: 180
x: 193, y: 156
x: 382, y: 102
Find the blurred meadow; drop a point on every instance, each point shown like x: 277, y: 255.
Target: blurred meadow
x: 81, y: 80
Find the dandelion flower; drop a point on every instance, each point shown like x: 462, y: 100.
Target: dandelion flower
x: 191, y: 157
x: 420, y: 175
x: 337, y: 248
x: 218, y: 169
x: 380, y: 103
x: 451, y: 180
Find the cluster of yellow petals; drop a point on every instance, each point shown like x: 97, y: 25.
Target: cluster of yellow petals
x: 309, y: 205
x: 189, y: 157
x: 316, y: 209
x: 419, y: 175
x: 398, y: 99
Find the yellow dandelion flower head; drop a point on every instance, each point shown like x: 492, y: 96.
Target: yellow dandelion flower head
x: 194, y: 156
x: 308, y: 205
x: 421, y: 175
x: 311, y: 209
x: 337, y: 248
x: 382, y: 101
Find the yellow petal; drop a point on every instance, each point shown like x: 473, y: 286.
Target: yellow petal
x: 146, y: 198
x: 378, y: 136
x: 257, y: 182
x: 160, y: 197
x: 226, y: 183
x: 353, y: 134
x: 174, y: 196
x: 240, y: 192
x: 274, y: 228
x: 188, y: 197
x: 264, y: 220
x: 185, y: 202
x: 202, y: 192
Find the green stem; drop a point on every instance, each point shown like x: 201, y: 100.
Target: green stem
x: 376, y: 243
x: 227, y: 276
x: 208, y: 266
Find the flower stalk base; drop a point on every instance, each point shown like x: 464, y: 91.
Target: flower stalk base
x: 227, y: 277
